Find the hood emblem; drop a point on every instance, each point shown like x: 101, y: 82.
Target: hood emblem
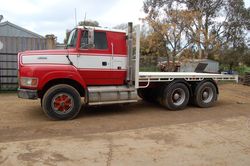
x: 42, y: 58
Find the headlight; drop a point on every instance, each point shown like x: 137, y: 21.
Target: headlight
x: 28, y: 81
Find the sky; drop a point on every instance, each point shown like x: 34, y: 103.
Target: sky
x: 56, y: 16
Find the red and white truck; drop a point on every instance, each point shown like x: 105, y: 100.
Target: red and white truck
x: 98, y: 67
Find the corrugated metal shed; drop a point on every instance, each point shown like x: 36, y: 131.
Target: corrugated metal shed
x: 14, y: 39
x: 12, y: 30
x: 190, y: 66
x: 18, y: 44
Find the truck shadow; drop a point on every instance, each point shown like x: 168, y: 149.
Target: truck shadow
x: 133, y: 110
x: 118, y: 109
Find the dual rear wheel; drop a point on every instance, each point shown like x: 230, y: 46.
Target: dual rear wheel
x: 176, y: 96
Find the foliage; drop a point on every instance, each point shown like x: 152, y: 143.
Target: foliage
x: 246, y: 57
x: 169, y: 26
x: 214, y: 29
x: 149, y: 68
x: 231, y: 57
x: 123, y: 26
x: 89, y: 23
x: 155, y: 44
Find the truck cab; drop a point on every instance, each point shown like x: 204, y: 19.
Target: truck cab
x: 101, y: 55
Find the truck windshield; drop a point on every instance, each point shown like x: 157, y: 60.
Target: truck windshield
x: 72, y: 39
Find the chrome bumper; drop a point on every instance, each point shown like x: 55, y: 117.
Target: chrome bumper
x: 27, y: 94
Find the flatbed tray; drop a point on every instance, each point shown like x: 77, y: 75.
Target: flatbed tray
x: 188, y: 76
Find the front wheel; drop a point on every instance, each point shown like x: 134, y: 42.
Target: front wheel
x: 61, y: 102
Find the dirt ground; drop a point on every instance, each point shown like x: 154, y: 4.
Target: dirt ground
x: 135, y: 134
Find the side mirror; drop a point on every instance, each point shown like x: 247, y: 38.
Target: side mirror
x: 91, y: 37
x: 88, y: 39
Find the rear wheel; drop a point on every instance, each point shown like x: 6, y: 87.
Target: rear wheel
x: 205, y: 95
x: 61, y: 102
x: 175, y: 96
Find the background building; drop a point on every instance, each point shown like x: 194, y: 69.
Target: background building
x: 14, y: 39
x: 190, y: 65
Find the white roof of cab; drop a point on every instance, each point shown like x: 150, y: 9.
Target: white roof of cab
x: 102, y: 29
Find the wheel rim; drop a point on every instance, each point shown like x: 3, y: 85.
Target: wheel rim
x: 62, y: 103
x: 178, y: 97
x: 207, y: 95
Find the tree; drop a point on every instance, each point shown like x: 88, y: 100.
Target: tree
x: 199, y: 20
x: 235, y: 49
x: 89, y: 23
x: 123, y: 26
x: 247, y: 16
x: 153, y: 46
x: 235, y: 25
x: 232, y: 57
x: 214, y: 29
x: 246, y: 58
x: 204, y: 32
x: 170, y: 23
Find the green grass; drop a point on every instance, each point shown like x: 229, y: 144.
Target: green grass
x: 247, y: 69
x: 242, y: 69
x: 149, y: 69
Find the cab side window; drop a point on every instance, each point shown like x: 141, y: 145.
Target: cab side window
x: 100, y: 40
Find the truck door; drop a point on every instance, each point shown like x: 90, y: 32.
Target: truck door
x: 94, y: 60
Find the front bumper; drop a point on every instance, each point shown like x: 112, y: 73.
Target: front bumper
x: 27, y: 94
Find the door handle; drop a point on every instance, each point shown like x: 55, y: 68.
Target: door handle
x: 104, y: 63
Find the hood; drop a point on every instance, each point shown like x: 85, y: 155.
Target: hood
x: 46, y: 52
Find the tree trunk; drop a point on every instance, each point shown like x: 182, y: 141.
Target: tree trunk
x: 199, y: 36
x: 206, y: 38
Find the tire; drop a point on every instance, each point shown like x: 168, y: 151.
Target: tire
x: 205, y: 95
x: 175, y: 96
x: 41, y: 102
x: 191, y: 98
x: 141, y: 93
x: 146, y: 94
x: 61, y: 102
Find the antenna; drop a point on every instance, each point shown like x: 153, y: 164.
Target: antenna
x: 75, y: 17
x: 85, y: 18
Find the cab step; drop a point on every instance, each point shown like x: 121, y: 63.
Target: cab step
x: 112, y: 102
